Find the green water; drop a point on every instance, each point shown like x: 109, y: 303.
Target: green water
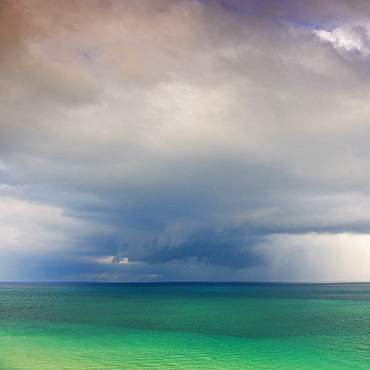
x: 184, y: 326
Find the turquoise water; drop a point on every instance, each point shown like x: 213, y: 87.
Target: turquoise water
x: 184, y: 326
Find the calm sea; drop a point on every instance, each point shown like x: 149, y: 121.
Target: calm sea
x: 184, y: 326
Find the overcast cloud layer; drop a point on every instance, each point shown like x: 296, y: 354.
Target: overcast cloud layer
x: 184, y: 140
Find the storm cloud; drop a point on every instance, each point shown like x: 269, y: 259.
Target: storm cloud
x: 184, y: 140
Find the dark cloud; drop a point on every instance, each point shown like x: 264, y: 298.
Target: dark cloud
x: 184, y: 139
x: 230, y: 248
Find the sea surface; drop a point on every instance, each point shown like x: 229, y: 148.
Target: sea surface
x: 184, y: 326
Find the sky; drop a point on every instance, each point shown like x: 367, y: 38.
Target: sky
x: 184, y: 140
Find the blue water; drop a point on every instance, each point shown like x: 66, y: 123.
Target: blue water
x: 184, y: 326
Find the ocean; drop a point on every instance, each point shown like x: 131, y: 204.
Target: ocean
x: 184, y: 326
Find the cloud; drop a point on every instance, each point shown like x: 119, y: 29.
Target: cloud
x: 230, y: 248
x: 318, y: 257
x: 183, y: 137
x: 350, y: 38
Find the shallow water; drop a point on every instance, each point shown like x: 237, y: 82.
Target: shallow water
x: 184, y: 326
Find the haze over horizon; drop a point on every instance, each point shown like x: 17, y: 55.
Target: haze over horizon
x: 182, y: 140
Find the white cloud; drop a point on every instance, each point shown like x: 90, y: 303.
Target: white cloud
x: 318, y: 257
x: 29, y: 227
x: 351, y: 37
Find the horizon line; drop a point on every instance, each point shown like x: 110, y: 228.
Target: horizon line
x: 179, y: 282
